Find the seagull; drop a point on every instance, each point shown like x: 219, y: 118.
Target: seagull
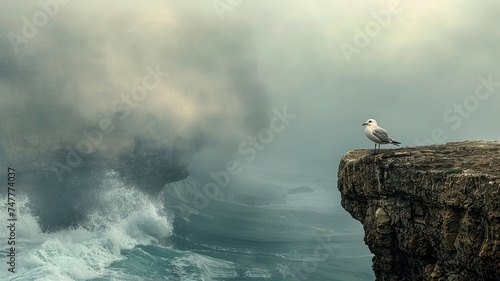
x: 377, y: 134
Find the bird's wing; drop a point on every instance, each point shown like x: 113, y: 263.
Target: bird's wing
x: 381, y: 134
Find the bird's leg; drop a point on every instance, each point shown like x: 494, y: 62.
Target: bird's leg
x: 375, y: 150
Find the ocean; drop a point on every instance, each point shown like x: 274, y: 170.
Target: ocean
x: 270, y: 223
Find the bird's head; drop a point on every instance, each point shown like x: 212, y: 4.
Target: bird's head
x: 370, y: 122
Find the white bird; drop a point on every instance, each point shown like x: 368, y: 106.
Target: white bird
x: 377, y: 134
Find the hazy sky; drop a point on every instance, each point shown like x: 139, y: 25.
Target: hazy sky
x: 420, y: 68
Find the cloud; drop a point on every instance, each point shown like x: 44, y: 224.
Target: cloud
x: 83, y: 67
x: 225, y: 76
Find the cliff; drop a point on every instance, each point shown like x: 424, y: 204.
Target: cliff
x: 429, y: 212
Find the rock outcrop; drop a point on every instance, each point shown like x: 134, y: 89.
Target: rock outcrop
x: 429, y: 212
x: 62, y: 183
x: 147, y: 164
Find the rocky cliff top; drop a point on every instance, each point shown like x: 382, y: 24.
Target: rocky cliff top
x: 429, y: 212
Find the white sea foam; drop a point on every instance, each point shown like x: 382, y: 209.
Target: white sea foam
x: 122, y: 219
x: 194, y: 267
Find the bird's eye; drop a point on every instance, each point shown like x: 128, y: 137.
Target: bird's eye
x: 370, y: 121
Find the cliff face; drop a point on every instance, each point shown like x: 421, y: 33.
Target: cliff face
x: 430, y: 212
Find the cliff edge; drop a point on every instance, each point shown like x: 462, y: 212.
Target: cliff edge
x: 429, y: 212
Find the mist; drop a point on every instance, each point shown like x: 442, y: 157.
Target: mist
x: 222, y: 72
x: 100, y: 76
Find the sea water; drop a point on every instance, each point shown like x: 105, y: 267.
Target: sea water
x: 270, y: 224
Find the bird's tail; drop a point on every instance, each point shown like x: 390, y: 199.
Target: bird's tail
x: 396, y: 143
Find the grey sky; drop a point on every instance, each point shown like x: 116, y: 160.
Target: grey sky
x: 228, y: 70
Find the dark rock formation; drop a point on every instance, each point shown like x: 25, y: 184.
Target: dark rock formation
x: 62, y: 182
x: 148, y: 164
x: 430, y: 212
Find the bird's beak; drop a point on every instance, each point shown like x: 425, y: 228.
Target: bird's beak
x: 364, y: 124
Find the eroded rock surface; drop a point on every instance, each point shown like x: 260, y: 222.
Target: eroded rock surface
x: 430, y: 212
